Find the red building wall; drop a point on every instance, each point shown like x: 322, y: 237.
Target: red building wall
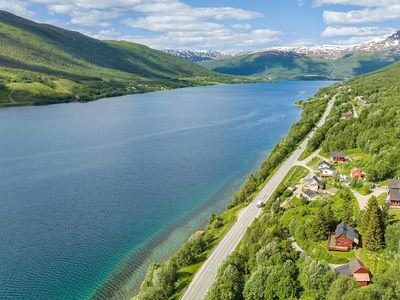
x: 344, y: 241
x: 337, y: 159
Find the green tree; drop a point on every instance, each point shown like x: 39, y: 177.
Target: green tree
x: 342, y: 286
x: 347, y: 210
x: 373, y: 237
x: 392, y: 237
x: 330, y: 219
x: 255, y: 286
x: 320, y: 225
x: 372, y: 204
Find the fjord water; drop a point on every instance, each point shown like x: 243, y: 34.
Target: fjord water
x: 91, y: 194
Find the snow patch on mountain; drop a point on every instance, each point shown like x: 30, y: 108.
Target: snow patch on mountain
x: 388, y: 44
x: 197, y: 55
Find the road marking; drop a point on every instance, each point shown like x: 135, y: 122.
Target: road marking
x: 206, y: 276
x: 194, y: 295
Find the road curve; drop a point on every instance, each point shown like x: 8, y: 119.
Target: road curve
x: 204, y: 277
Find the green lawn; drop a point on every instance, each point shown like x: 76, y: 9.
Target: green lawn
x: 313, y: 163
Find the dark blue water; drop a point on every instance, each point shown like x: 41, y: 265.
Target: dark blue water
x: 91, y: 194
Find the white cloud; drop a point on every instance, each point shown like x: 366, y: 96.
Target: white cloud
x: 221, y: 38
x: 301, y: 43
x: 108, y: 32
x: 367, y: 15
x: 241, y: 26
x: 353, y: 40
x: 16, y: 7
x: 367, y: 3
x: 337, y: 31
x: 301, y: 2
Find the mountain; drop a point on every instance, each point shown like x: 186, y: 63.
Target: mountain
x: 319, y: 62
x: 197, y: 55
x: 40, y: 63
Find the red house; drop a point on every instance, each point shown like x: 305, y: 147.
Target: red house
x: 345, y: 238
x: 337, y: 156
x: 394, y: 193
x: 356, y: 173
x: 347, y: 115
x: 357, y: 269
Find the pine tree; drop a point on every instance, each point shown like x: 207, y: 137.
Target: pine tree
x: 330, y: 219
x: 320, y: 225
x: 347, y: 211
x: 372, y: 203
x: 373, y: 237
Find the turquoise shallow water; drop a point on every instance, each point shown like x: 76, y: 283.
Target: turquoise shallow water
x: 91, y: 194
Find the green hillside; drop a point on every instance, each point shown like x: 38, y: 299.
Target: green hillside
x: 287, y: 67
x: 40, y: 63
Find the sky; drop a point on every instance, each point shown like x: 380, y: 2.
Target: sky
x: 229, y: 26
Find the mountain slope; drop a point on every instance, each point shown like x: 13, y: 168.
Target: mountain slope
x: 197, y: 55
x: 42, y: 55
x: 331, y: 62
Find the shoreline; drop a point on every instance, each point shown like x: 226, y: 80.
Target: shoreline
x: 268, y: 161
x: 111, y: 288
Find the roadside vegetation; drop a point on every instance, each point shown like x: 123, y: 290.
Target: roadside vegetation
x: 183, y: 270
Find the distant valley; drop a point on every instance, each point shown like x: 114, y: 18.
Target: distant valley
x: 305, y: 63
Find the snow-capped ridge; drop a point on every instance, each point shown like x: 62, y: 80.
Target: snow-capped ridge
x: 197, y: 55
x: 385, y: 44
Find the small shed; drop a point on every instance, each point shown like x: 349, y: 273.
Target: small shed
x: 356, y: 269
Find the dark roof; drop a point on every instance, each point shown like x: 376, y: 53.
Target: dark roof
x: 330, y: 169
x: 393, y: 183
x: 320, y: 183
x: 356, y: 265
x: 323, y: 163
x: 351, y: 268
x: 395, y: 194
x: 344, y: 270
x: 348, y: 232
x: 337, y: 154
x: 310, y: 193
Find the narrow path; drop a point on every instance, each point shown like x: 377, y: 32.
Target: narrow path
x: 9, y: 95
x: 295, y: 246
x: 63, y: 88
x: 355, y: 112
x: 26, y: 97
x: 206, y: 274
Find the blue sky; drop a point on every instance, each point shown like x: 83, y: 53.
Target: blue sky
x: 231, y: 26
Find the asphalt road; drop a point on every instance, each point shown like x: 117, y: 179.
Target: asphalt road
x: 204, y: 277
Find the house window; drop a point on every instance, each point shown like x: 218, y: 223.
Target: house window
x: 395, y: 202
x: 339, y: 242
